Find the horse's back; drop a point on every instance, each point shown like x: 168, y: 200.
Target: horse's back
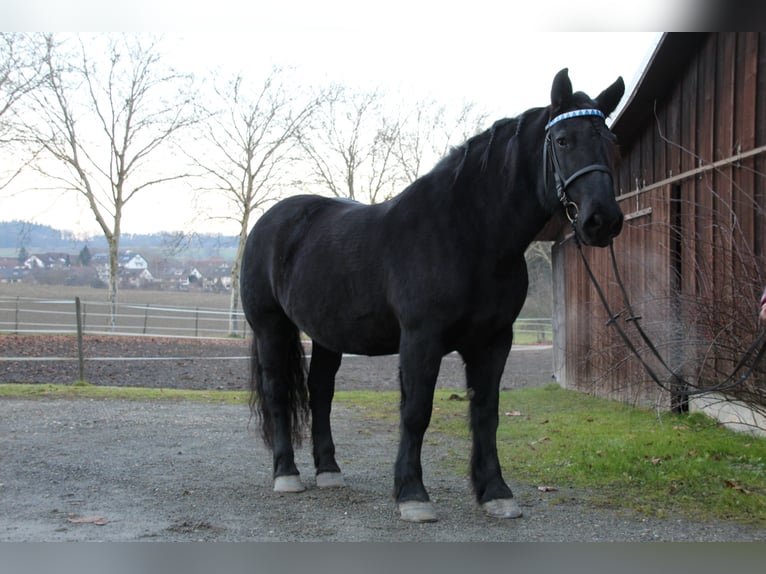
x: 274, y: 242
x: 317, y: 260
x: 297, y: 227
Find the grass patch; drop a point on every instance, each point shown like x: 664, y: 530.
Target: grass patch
x: 81, y: 383
x: 527, y: 338
x: 88, y: 391
x: 631, y: 457
x: 622, y: 457
x: 619, y: 456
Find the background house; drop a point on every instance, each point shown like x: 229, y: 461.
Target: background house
x: 133, y: 269
x: 132, y: 261
x: 48, y: 261
x: 11, y: 271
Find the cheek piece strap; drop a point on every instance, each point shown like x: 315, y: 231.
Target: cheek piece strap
x: 561, y: 181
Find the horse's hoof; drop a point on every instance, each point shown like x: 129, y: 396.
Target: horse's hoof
x: 415, y: 511
x: 330, y: 480
x: 288, y: 483
x: 502, y: 508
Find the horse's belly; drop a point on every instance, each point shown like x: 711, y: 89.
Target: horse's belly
x: 357, y: 338
x: 347, y: 326
x: 340, y: 302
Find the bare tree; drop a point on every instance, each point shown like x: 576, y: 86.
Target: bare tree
x: 350, y: 146
x: 539, y: 301
x: 248, y: 142
x: 107, y: 108
x: 21, y: 70
x: 430, y: 130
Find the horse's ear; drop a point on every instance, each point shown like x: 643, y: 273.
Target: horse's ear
x: 608, y: 99
x: 562, y: 89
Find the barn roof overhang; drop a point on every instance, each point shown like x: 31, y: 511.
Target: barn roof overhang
x: 671, y: 57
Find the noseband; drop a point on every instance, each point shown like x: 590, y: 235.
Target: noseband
x: 561, y: 181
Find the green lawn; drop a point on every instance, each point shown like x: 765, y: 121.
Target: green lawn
x: 621, y: 456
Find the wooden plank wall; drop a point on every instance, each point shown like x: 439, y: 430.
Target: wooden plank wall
x: 692, y: 250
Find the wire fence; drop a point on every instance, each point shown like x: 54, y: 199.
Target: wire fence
x: 51, y: 316
x: 27, y: 315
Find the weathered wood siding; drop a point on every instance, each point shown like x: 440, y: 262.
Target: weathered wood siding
x: 691, y: 184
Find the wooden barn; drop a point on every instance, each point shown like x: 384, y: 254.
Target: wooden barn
x: 692, y: 257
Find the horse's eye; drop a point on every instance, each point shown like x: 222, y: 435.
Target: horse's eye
x: 561, y: 141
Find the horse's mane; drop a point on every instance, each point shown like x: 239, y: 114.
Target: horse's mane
x: 474, y: 153
x: 472, y: 157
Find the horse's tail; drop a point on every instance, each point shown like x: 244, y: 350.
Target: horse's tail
x: 291, y: 385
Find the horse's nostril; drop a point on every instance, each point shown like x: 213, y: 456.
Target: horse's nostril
x: 594, y: 222
x: 600, y: 228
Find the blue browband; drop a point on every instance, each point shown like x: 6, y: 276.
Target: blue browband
x: 574, y: 114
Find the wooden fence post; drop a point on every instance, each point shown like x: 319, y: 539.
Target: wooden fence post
x: 80, y: 358
x: 146, y: 317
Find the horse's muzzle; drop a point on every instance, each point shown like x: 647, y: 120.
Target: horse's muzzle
x: 598, y: 229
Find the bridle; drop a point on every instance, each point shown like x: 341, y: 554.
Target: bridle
x: 561, y: 181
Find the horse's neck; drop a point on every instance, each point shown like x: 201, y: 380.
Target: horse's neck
x: 518, y: 215
x: 500, y: 206
x: 525, y: 219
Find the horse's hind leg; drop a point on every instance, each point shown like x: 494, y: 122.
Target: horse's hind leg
x: 282, y: 396
x: 321, y: 383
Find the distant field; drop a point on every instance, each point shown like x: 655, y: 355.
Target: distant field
x: 171, y: 313
x: 131, y: 296
x: 51, y: 308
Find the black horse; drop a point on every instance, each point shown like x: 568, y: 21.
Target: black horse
x: 436, y: 269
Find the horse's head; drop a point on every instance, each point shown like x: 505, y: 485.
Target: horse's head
x: 580, y: 154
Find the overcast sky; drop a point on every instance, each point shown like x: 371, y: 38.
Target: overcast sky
x: 501, y: 58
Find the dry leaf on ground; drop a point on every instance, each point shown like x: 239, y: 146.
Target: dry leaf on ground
x: 97, y: 520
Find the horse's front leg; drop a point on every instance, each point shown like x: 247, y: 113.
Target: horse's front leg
x: 418, y: 370
x: 484, y: 369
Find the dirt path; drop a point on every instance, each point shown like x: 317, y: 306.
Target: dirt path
x: 119, y: 470
x: 213, y: 364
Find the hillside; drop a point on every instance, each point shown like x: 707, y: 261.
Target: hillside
x: 36, y: 238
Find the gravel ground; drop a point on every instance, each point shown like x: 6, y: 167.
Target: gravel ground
x: 179, y: 471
